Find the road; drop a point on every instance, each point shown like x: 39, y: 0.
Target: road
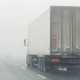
x: 11, y: 71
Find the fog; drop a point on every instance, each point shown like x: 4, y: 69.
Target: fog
x: 15, y: 15
x: 11, y: 29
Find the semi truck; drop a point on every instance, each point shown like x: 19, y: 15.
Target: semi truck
x: 54, y: 40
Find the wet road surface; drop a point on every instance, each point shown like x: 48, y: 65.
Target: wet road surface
x: 12, y: 71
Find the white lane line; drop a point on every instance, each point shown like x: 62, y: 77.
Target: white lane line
x: 42, y: 77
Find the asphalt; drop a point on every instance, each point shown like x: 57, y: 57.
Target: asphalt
x: 13, y: 71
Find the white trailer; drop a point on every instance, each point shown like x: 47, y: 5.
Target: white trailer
x: 39, y: 34
x: 54, y: 38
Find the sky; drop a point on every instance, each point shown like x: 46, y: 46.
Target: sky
x: 11, y: 17
x: 11, y: 28
x: 15, y: 15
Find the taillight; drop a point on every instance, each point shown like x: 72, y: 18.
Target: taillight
x: 55, y: 61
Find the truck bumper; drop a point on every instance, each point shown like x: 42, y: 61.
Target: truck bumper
x: 66, y: 68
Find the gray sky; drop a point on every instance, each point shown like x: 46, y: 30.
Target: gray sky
x: 11, y: 19
x: 11, y: 27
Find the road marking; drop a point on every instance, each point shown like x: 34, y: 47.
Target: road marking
x: 41, y: 76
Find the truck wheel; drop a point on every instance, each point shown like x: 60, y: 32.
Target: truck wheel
x: 28, y: 65
x: 44, y: 68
